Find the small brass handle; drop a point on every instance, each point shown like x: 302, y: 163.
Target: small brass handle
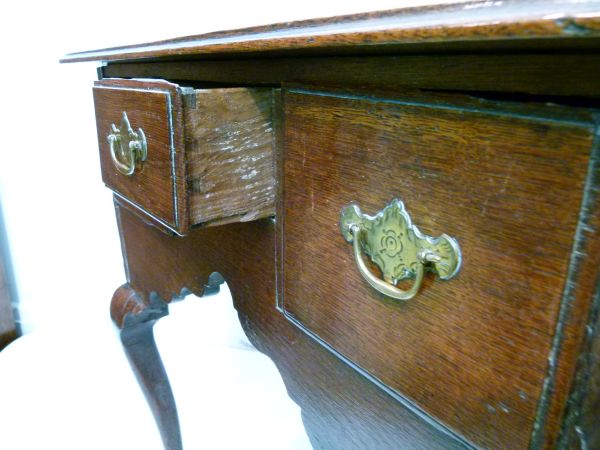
x: 398, y: 248
x: 128, y: 148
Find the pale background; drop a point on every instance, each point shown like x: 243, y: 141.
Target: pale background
x: 67, y: 380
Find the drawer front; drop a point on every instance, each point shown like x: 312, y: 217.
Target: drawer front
x: 472, y: 351
x: 152, y: 107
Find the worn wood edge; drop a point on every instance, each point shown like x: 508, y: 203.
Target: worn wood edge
x: 279, y: 160
x: 149, y: 84
x: 585, y: 370
x: 229, y: 155
x: 178, y: 162
x: 470, y: 21
x: 541, y: 436
x: 146, y: 216
x: 225, y: 220
x: 588, y: 432
x: 573, y: 435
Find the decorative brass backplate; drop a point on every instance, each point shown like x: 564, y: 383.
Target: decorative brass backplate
x: 128, y: 148
x: 397, y: 246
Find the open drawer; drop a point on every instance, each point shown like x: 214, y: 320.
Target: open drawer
x: 187, y: 156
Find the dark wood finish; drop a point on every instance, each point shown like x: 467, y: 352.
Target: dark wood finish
x: 580, y: 425
x: 522, y: 73
x: 487, y: 178
x: 136, y: 318
x: 156, y: 108
x: 341, y: 409
x: 481, y: 116
x: 209, y: 151
x: 586, y: 425
x: 580, y: 429
x: 477, y: 24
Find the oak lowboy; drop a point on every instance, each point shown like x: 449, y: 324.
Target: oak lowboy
x: 407, y: 217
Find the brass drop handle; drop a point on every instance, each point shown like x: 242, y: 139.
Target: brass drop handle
x: 128, y: 148
x: 386, y: 288
x: 398, y: 248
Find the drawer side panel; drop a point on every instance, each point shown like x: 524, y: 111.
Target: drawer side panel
x: 229, y: 152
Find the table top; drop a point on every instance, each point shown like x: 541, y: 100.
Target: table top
x: 461, y: 26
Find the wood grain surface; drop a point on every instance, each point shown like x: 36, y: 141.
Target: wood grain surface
x: 229, y: 155
x: 475, y: 24
x: 474, y: 351
x: 125, y: 301
x: 580, y: 423
x: 151, y: 106
x: 534, y: 73
x: 580, y: 428
x: 481, y: 117
x: 209, y: 151
x: 340, y: 408
x: 136, y: 316
x: 586, y: 427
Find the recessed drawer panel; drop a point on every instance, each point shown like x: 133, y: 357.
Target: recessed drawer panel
x: 187, y: 156
x: 472, y: 351
x: 123, y: 109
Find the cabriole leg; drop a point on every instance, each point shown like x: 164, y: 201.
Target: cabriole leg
x: 136, y: 319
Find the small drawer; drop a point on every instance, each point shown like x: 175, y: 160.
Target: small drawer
x: 187, y: 156
x: 507, y: 184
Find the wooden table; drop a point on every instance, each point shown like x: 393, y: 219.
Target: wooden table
x: 253, y: 155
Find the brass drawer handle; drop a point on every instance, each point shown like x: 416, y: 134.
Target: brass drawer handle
x: 128, y: 148
x: 398, y: 248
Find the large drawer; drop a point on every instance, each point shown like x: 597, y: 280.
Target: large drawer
x: 187, y: 156
x: 475, y: 352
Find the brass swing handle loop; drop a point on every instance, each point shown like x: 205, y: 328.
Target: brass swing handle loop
x: 128, y: 148
x: 385, y: 288
x: 398, y: 248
